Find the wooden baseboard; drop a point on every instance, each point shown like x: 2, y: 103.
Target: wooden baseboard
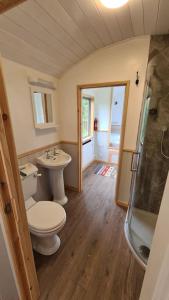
x: 128, y: 150
x: 122, y: 204
x: 88, y: 165
x: 101, y: 161
x: 113, y: 149
x: 104, y: 162
x: 71, y: 188
x: 96, y: 161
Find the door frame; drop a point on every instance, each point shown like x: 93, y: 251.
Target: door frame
x: 79, y: 131
x: 12, y: 207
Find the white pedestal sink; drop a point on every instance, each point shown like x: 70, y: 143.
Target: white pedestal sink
x: 56, y: 161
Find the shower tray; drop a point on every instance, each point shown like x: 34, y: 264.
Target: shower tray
x: 139, y: 231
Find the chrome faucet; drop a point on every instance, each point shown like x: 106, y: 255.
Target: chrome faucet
x: 47, y: 154
x: 55, y: 151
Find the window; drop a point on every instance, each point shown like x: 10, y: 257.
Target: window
x: 86, y: 117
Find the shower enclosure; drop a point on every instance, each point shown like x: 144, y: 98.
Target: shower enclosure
x: 150, y: 162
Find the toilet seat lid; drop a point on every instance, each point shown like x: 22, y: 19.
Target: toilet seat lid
x: 45, y: 215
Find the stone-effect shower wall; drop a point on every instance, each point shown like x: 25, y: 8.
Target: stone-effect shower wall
x: 154, y: 167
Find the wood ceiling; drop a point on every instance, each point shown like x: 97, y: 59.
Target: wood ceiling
x: 52, y: 35
x: 7, y: 4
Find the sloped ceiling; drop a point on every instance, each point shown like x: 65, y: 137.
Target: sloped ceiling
x: 52, y: 35
x: 8, y: 4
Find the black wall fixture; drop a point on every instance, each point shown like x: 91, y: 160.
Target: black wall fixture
x: 137, y: 79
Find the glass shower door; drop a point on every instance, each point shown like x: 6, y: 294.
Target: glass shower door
x: 140, y: 223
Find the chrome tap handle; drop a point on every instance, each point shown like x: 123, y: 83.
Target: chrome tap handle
x: 47, y: 153
x: 54, y: 151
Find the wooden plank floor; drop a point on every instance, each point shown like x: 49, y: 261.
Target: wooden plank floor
x: 94, y: 261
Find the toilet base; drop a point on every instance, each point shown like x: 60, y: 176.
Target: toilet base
x: 61, y: 201
x: 47, y: 245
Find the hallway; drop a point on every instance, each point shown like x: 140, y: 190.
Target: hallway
x: 94, y: 261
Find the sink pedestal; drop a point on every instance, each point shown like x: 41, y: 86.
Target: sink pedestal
x: 57, y: 186
x: 56, y: 163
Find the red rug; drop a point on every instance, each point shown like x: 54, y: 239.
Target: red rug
x: 105, y: 170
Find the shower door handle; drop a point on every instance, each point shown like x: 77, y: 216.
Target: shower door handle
x: 135, y: 161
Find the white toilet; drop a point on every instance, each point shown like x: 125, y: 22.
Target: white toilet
x: 45, y: 218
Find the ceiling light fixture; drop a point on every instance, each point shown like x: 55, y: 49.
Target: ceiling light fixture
x: 113, y: 3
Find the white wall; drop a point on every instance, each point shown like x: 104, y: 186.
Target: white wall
x: 117, y: 109
x: 19, y: 98
x: 113, y: 63
x: 88, y: 154
x: 8, y: 287
x: 102, y: 107
x: 155, y: 285
x: 102, y: 113
x: 101, y: 145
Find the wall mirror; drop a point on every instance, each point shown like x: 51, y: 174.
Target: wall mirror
x: 42, y: 102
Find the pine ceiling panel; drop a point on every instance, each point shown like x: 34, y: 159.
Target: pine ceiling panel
x: 136, y: 11
x: 150, y: 8
x: 73, y: 9
x: 9, y: 26
x: 29, y: 25
x: 8, y: 4
x: 95, y: 19
x: 52, y: 35
x: 50, y: 31
x: 29, y: 51
x: 110, y: 21
x: 162, y: 25
x: 13, y: 53
x: 124, y: 18
x: 58, y: 13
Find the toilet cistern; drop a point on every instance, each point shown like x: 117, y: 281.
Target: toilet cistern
x: 56, y: 161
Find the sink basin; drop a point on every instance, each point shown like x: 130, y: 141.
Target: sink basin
x: 56, y: 161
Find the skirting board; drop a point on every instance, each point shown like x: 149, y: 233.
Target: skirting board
x: 104, y: 162
x: 122, y: 204
x: 88, y: 165
x: 71, y: 188
x: 97, y: 161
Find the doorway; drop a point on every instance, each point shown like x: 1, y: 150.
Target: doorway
x: 102, y: 110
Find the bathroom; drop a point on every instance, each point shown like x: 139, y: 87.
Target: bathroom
x: 67, y: 233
